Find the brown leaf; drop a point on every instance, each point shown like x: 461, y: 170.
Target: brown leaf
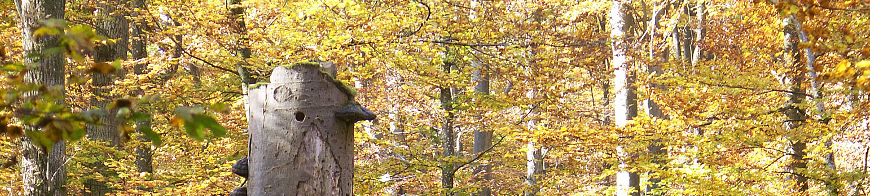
x: 122, y: 103
x: 102, y: 67
x: 12, y: 161
x: 14, y: 131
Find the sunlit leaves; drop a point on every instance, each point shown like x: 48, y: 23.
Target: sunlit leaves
x: 852, y: 74
x: 195, y: 121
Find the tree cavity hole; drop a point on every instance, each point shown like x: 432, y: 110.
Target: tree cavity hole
x: 299, y: 115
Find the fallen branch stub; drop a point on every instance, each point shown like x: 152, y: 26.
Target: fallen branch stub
x: 301, y: 128
x: 241, y: 167
x: 353, y: 112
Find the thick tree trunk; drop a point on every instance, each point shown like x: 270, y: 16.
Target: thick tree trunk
x: 114, y: 25
x: 42, y: 173
x: 625, y: 104
x: 482, y: 135
x: 796, y: 115
x: 299, y: 144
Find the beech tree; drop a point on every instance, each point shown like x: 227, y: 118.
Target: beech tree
x: 42, y: 172
x: 687, y: 97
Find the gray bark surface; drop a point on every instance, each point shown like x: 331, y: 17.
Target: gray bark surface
x: 482, y: 135
x: 298, y: 146
x: 113, y: 24
x: 42, y: 173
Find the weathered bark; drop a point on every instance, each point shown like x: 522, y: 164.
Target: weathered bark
x: 796, y: 115
x: 482, y: 135
x: 114, y: 25
x: 299, y: 144
x: 625, y: 104
x: 42, y: 173
x: 138, y: 43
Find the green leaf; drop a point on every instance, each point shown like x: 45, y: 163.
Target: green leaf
x: 77, y: 134
x: 183, y: 113
x: 122, y: 112
x: 151, y: 135
x: 40, y: 138
x: 194, y: 130
x: 220, y: 107
x: 54, y: 50
x: 216, y: 129
x: 140, y: 116
x: 14, y: 67
x: 46, y: 31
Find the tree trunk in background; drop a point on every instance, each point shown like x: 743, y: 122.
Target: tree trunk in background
x: 534, y: 154
x: 810, y: 59
x: 42, y: 173
x: 241, y: 44
x: 448, y: 137
x: 138, y: 43
x: 699, y: 31
x: 651, y: 107
x: 113, y: 24
x: 796, y: 116
x: 482, y: 135
x: 625, y: 104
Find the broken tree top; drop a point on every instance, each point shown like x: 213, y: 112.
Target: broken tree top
x: 301, y: 126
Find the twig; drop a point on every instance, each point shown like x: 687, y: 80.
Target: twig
x: 428, y: 14
x: 479, y: 155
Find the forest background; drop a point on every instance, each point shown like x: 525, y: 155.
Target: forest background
x: 548, y: 97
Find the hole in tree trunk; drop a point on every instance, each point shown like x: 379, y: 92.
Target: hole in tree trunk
x: 300, y: 116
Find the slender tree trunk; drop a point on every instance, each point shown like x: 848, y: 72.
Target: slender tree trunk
x: 482, y: 135
x: 138, y: 43
x: 447, y: 136
x: 796, y: 116
x: 236, y: 19
x: 652, y: 108
x: 699, y: 31
x: 114, y: 25
x: 42, y: 173
x: 625, y: 104
x: 534, y: 154
x: 241, y: 44
x: 810, y: 59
